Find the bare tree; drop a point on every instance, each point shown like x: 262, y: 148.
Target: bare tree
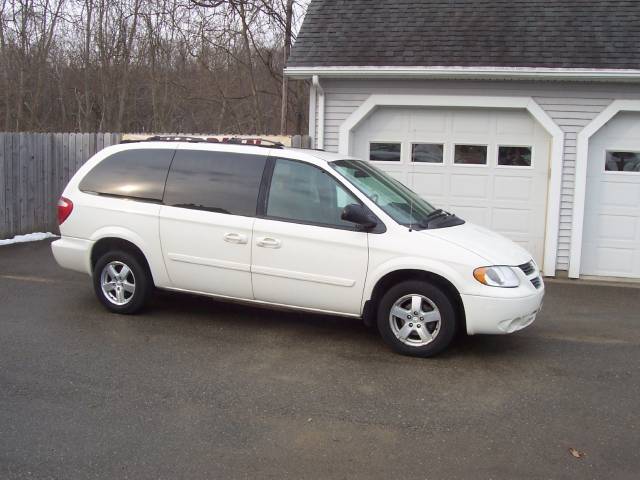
x: 148, y: 65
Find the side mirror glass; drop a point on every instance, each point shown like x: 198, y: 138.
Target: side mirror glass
x: 359, y: 215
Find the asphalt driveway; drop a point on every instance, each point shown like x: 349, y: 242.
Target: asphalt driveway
x: 195, y: 388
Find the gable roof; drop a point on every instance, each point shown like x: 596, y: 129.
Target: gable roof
x: 551, y: 34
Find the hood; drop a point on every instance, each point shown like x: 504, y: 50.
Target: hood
x: 493, y: 247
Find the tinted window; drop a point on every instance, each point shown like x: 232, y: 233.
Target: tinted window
x: 514, y: 156
x: 138, y: 173
x: 623, y: 162
x: 384, y: 152
x: 470, y: 154
x: 427, y: 152
x: 220, y: 182
x: 304, y: 193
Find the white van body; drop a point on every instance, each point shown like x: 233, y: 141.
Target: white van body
x: 254, y: 258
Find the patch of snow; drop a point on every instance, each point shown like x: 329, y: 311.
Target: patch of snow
x: 29, y: 237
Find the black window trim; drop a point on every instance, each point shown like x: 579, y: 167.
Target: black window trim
x: 124, y: 197
x: 265, y: 187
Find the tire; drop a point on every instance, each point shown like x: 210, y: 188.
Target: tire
x: 124, y: 295
x: 422, y: 335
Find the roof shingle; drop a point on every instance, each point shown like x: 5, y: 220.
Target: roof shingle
x: 470, y: 33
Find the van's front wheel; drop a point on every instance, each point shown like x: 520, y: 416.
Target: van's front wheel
x: 417, y: 318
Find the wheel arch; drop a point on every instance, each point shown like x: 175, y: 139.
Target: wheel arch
x: 110, y: 243
x: 398, y: 275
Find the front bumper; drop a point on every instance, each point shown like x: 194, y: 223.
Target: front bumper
x: 498, y: 315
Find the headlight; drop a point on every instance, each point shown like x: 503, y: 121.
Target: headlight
x: 497, y: 276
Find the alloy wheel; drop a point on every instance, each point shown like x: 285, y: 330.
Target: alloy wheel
x: 415, y: 320
x: 118, y: 283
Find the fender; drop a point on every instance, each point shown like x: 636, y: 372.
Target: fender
x: 411, y: 263
x: 158, y: 269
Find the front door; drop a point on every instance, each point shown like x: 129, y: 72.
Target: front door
x: 207, y: 220
x: 303, y: 254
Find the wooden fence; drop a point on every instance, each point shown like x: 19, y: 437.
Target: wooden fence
x: 35, y: 168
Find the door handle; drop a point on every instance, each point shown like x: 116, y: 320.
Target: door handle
x: 235, y: 238
x: 269, y: 242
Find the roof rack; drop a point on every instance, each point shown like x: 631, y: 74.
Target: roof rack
x: 255, y: 142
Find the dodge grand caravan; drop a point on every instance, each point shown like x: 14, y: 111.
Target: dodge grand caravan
x: 301, y: 229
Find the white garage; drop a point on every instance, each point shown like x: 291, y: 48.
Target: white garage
x: 488, y: 165
x: 611, y: 233
x: 503, y: 129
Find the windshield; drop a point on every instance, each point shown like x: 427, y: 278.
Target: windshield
x: 397, y: 201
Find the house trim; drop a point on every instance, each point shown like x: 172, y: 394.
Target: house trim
x: 483, y: 72
x: 580, y: 189
x: 526, y: 103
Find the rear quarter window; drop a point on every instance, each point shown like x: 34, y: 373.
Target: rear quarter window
x: 136, y: 173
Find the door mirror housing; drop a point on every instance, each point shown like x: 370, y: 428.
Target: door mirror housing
x: 359, y: 215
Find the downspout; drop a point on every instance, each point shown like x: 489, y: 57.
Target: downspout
x: 319, y: 143
x: 313, y: 98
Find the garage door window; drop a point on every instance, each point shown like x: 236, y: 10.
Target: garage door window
x: 622, y: 161
x: 384, y: 151
x: 427, y: 152
x: 470, y: 155
x: 509, y: 156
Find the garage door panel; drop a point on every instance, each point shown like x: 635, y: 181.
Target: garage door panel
x: 514, y: 123
x: 508, y: 199
x: 429, y: 184
x: 614, y: 262
x: 511, y: 220
x: 478, y: 215
x: 393, y: 121
x: 474, y: 122
x: 469, y: 186
x: 619, y: 194
x: 512, y: 188
x: 611, y: 233
x: 617, y: 227
x: 428, y: 122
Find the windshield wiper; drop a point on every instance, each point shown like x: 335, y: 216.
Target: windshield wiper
x: 432, y: 216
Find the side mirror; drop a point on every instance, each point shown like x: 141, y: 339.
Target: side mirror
x: 359, y: 215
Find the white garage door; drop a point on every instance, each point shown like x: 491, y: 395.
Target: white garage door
x: 611, y: 234
x: 489, y: 166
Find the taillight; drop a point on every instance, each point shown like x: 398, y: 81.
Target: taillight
x: 65, y: 207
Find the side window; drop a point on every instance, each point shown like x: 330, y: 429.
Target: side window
x: 220, y: 182
x: 136, y: 173
x: 304, y: 193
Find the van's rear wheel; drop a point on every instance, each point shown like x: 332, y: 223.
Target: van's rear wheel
x: 121, y: 282
x: 417, y: 318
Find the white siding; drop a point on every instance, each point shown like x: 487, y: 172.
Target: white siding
x: 570, y: 105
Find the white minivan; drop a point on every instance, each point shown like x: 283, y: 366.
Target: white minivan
x: 301, y: 229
